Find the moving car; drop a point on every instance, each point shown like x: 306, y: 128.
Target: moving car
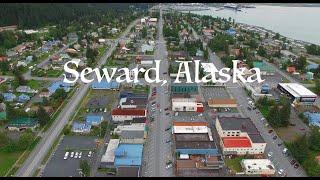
x: 169, y: 164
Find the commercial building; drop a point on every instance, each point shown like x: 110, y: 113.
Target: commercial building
x: 298, y: 94
x: 239, y: 136
x: 184, y: 88
x: 120, y: 115
x: 222, y: 103
x: 258, y: 166
x: 108, y: 157
x: 135, y: 131
x: 186, y: 104
x: 19, y: 124
x: 133, y: 102
x: 128, y: 155
x: 105, y: 85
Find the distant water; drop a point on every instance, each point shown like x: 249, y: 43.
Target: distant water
x: 300, y: 23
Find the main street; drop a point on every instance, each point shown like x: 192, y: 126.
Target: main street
x: 157, y: 151
x: 39, y: 152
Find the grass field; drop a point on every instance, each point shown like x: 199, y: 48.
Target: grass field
x: 7, y: 160
x: 234, y: 164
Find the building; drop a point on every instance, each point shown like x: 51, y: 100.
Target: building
x: 120, y: 115
x: 239, y: 136
x: 186, y: 104
x: 291, y: 69
x: 58, y: 85
x: 297, y: 93
x: 258, y: 167
x: 105, y: 85
x: 313, y: 118
x: 94, y: 120
x: 9, y: 97
x: 26, y: 89
x: 133, y: 102
x: 72, y: 37
x: 222, y: 103
x: 23, y: 98
x: 124, y: 171
x: 265, y: 69
x: 152, y: 21
x: 80, y: 127
x: 128, y: 155
x: 178, y: 55
x: 231, y: 32
x: 135, y: 131
x: 147, y: 48
x: 108, y: 157
x: 20, y: 124
x: 184, y: 88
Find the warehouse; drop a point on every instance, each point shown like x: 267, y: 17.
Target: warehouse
x: 186, y: 104
x: 222, y: 103
x: 258, y: 166
x: 191, y: 88
x: 128, y: 155
x: 108, y: 158
x: 298, y: 93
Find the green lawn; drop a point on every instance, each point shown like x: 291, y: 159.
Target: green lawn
x: 264, y: 110
x: 7, y: 160
x: 34, y: 84
x: 54, y: 73
x: 234, y: 164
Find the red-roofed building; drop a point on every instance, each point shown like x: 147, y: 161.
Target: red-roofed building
x: 3, y: 58
x: 236, y: 142
x: 127, y: 114
x: 291, y: 69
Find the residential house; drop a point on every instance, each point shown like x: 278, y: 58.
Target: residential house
x: 231, y: 32
x: 9, y: 97
x: 3, y: 58
x: 26, y: 89
x: 291, y: 69
x: 94, y: 120
x: 58, y: 85
x: 72, y: 37
x: 24, y: 123
x: 23, y: 98
x: 199, y: 53
x: 147, y: 48
x: 80, y: 127
x: 152, y: 21
x: 313, y: 118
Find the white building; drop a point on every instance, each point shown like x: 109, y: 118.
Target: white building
x: 258, y: 166
x: 298, y: 93
x: 186, y: 104
x: 109, y: 157
x: 192, y: 128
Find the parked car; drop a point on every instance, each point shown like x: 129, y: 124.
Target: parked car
x: 296, y: 166
x: 168, y: 141
x: 166, y: 109
x: 292, y: 124
x: 90, y: 154
x: 80, y: 155
x: 270, y: 131
x: 168, y: 128
x: 72, y: 154
x: 274, y: 137
x: 168, y: 165
x: 167, y: 113
x: 279, y: 144
x: 302, y: 129
x: 66, y: 155
x: 292, y: 162
x: 270, y: 154
x: 76, y: 155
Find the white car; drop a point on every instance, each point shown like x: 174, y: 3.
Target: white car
x: 76, y: 155
x: 281, y: 172
x: 270, y: 154
x: 72, y: 154
x: 80, y: 155
x: 90, y: 154
x: 66, y: 155
x: 262, y: 119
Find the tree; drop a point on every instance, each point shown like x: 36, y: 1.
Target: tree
x: 317, y: 88
x: 277, y: 36
x: 314, y: 139
x: 301, y: 63
x: 1, y: 98
x: 84, y: 165
x: 4, y: 139
x: 262, y: 52
x: 59, y: 94
x: 43, y: 116
x: 298, y: 149
x: 25, y: 140
x: 266, y: 35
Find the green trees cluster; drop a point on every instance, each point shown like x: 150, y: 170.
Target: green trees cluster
x: 22, y: 143
x: 42, y: 116
x: 192, y: 46
x: 221, y: 42
x: 304, y: 149
x: 91, y: 55
x: 313, y: 49
x: 277, y: 114
x: 85, y: 167
x: 300, y: 63
x: 262, y: 51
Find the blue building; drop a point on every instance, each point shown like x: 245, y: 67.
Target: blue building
x: 80, y: 127
x: 128, y: 155
x: 23, y: 98
x: 231, y: 32
x: 314, y: 118
x: 105, y: 85
x: 312, y: 66
x: 58, y: 84
x: 94, y: 120
x: 9, y: 97
x: 265, y: 88
x: 196, y: 147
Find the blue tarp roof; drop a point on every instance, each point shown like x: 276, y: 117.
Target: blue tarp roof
x: 104, y: 84
x: 93, y: 119
x: 314, y: 118
x: 58, y: 84
x: 128, y: 155
x: 9, y: 96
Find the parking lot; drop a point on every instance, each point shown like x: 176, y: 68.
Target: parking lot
x: 214, y: 92
x: 59, y: 167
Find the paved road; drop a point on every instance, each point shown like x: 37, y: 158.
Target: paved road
x: 157, y: 151
x: 40, y: 151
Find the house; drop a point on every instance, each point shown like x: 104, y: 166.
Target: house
x: 71, y: 51
x: 222, y: 103
x: 178, y: 55
x: 152, y: 21
x: 102, y: 41
x: 309, y: 75
x: 21, y: 63
x: 2, y: 80
x: 58, y: 85
x: 29, y: 59
x: 72, y: 37
x: 23, y: 98
x: 120, y: 115
x: 3, y: 113
x: 9, y: 97
x: 291, y: 69
x: 186, y: 104
x: 239, y: 136
x: 26, y: 89
x: 231, y: 32
x: 105, y: 85
x: 147, y: 47
x: 94, y: 120
x: 313, y: 118
x: 265, y: 69
x: 258, y: 167
x: 80, y: 127
x: 128, y: 155
x: 24, y: 123
x: 114, y: 30
x: 3, y: 58
x: 309, y: 67
x: 44, y: 94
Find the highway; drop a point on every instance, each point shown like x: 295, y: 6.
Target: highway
x: 39, y: 152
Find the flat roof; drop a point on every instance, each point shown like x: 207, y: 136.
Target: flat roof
x: 128, y: 171
x: 190, y: 128
x: 109, y: 154
x: 195, y: 145
x: 222, y: 101
x: 192, y: 137
x: 128, y: 155
x: 257, y: 164
x: 235, y: 142
x: 297, y: 90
